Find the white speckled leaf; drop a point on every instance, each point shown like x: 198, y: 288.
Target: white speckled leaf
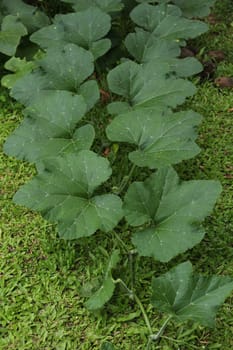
x: 84, y: 29
x: 67, y: 67
x: 144, y: 47
x: 61, y: 69
x: 172, y: 211
x: 166, y: 22
x: 162, y: 139
x: 64, y: 193
x: 51, y: 128
x: 143, y: 87
x: 186, y: 295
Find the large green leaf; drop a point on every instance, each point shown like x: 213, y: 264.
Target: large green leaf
x: 105, y: 291
x: 166, y: 22
x: 64, y: 193
x: 84, y: 28
x: 162, y: 139
x: 148, y: 49
x: 186, y: 295
x: 67, y: 67
x: 61, y: 69
x: 11, y: 32
x: 108, y: 6
x: 29, y: 87
x: 172, y: 211
x: 51, y: 128
x: 25, y: 13
x: 143, y: 87
x: 144, y: 46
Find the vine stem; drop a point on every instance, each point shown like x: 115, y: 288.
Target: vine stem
x: 132, y: 295
x: 126, y: 179
x: 138, y: 301
x: 156, y: 336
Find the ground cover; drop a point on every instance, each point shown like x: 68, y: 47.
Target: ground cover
x: 42, y: 277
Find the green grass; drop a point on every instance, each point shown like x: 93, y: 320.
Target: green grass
x: 42, y: 277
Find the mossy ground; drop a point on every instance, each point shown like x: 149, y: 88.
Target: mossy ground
x: 42, y: 277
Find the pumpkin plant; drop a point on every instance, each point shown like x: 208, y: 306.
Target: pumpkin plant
x: 72, y: 187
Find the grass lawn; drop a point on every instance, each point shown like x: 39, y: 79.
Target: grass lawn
x: 44, y: 279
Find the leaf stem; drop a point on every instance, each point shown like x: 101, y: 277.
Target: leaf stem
x: 132, y: 295
x: 126, y: 179
x: 129, y: 291
x: 146, y: 319
x: 156, y: 336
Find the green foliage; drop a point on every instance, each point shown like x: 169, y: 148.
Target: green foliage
x: 60, y: 69
x: 166, y: 22
x: 11, y: 32
x: 64, y: 193
x: 143, y: 88
x: 186, y: 295
x: 160, y: 139
x: 51, y: 128
x: 70, y: 188
x: 191, y: 8
x: 105, y: 291
x: 84, y: 28
x: 19, y: 67
x: 172, y: 211
x: 20, y: 19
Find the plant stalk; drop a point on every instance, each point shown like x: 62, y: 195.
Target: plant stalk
x: 146, y: 319
x: 132, y: 295
x: 156, y: 336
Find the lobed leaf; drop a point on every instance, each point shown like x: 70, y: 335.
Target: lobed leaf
x: 60, y: 69
x: 144, y: 47
x: 162, y: 139
x: 64, y: 193
x: 84, y: 29
x: 27, y: 14
x: 166, y: 22
x: 66, y: 68
x: 172, y: 211
x: 189, y: 296
x: 51, y: 128
x: 143, y: 87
